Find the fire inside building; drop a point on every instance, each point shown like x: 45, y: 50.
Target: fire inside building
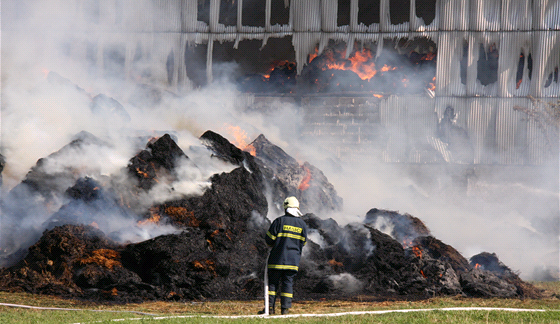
x: 459, y: 95
x: 353, y: 66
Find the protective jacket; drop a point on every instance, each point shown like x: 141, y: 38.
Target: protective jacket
x: 287, y: 235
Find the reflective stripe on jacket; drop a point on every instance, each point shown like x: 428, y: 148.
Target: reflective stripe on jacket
x: 287, y: 235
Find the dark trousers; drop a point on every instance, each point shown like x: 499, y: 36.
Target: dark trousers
x: 280, y: 282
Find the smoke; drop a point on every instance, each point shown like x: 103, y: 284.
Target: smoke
x: 346, y: 283
x: 473, y: 208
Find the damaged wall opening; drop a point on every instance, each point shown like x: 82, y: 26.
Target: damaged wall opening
x: 228, y: 12
x: 253, y: 14
x: 368, y: 12
x: 280, y: 14
x: 399, y: 11
x: 426, y: 9
x: 552, y: 77
x: 487, y: 65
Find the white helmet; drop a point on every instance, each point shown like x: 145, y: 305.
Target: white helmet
x: 291, y: 202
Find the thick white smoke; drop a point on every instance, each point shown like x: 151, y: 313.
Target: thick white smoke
x: 519, y: 222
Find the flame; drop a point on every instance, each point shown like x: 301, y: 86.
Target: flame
x: 429, y: 56
x: 406, y: 243
x: 304, y: 184
x: 142, y: 173
x: 313, y: 55
x: 477, y: 266
x: 45, y: 72
x: 94, y: 224
x: 154, y: 220
x: 240, y: 138
x: 386, y: 68
x: 377, y: 95
x: 417, y: 251
x: 278, y: 64
x: 251, y: 149
x: 359, y: 62
x: 423, y: 275
x: 432, y: 84
x: 405, y: 82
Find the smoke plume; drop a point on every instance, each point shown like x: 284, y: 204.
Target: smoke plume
x: 471, y: 207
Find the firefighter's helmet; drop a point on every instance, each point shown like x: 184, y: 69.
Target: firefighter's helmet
x: 291, y: 202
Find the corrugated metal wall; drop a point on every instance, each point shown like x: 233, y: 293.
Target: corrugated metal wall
x: 460, y: 27
x: 513, y: 26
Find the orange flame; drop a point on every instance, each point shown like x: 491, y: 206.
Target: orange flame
x: 154, y: 220
x: 359, y: 62
x: 417, y: 251
x: 377, y: 95
x: 251, y: 149
x: 477, y: 266
x: 313, y: 55
x: 304, y: 184
x: 275, y: 64
x: 240, y: 138
x: 429, y: 56
x: 386, y: 68
x: 432, y: 84
x: 142, y: 173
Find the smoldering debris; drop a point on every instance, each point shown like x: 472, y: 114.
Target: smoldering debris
x: 288, y: 177
x: 210, y: 244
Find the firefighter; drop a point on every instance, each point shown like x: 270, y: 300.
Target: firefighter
x: 287, y: 235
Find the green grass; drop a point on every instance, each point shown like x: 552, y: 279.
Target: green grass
x: 97, y: 313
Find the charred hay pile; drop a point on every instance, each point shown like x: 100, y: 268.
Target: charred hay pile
x: 216, y: 247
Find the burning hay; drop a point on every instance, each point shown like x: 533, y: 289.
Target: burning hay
x: 216, y: 249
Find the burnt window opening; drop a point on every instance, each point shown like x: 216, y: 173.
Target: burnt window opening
x: 520, y: 68
x: 270, y: 70
x: 530, y: 65
x: 487, y: 65
x: 464, y: 62
x: 195, y: 64
x: 280, y: 14
x: 426, y: 9
x: 253, y: 13
x: 403, y: 66
x: 519, y: 74
x: 113, y: 61
x: 399, y: 11
x: 343, y: 15
x: 368, y: 12
x: 170, y: 66
x: 139, y: 69
x: 228, y: 12
x: 552, y: 77
x: 203, y: 13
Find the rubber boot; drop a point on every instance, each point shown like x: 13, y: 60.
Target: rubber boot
x: 270, y: 311
x: 285, y: 311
